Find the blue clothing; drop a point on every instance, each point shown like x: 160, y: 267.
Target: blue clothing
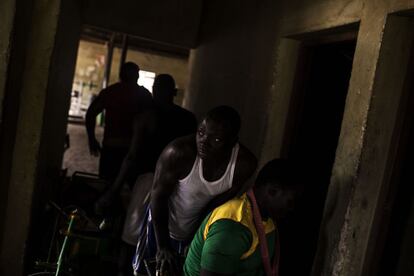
x: 144, y: 258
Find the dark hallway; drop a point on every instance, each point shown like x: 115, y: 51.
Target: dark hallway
x: 320, y: 82
x: 397, y: 256
x: 318, y: 105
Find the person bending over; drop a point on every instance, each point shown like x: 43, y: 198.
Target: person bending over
x: 240, y: 237
x: 194, y: 174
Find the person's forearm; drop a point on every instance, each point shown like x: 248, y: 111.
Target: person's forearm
x: 126, y: 168
x: 159, y: 212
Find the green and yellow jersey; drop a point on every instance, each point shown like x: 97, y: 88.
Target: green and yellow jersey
x: 227, y: 242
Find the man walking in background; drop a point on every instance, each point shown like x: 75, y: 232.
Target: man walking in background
x: 153, y: 129
x: 121, y: 102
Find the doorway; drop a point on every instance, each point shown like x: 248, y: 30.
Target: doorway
x: 397, y: 258
x: 100, y: 55
x: 315, y: 115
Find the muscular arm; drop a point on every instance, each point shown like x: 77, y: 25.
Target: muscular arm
x: 171, y: 166
x: 96, y: 107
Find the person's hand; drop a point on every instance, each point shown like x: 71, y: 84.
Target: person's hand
x: 94, y: 147
x: 166, y: 263
x: 104, y: 202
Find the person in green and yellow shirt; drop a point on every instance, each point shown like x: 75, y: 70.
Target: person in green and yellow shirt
x: 232, y: 239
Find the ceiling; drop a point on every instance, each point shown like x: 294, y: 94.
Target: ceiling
x: 170, y: 25
x: 99, y: 35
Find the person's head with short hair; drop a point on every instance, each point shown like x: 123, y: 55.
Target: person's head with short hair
x: 164, y: 89
x: 218, y: 132
x: 129, y: 72
x: 277, y: 187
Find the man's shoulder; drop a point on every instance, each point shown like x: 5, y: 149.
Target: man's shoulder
x: 181, y: 148
x: 142, y: 89
x: 179, y: 155
x: 228, y: 219
x: 186, y: 116
x: 246, y: 158
x: 185, y: 143
x: 107, y: 94
x: 182, y: 111
x: 113, y: 87
x: 128, y: 87
x: 111, y: 90
x: 232, y: 209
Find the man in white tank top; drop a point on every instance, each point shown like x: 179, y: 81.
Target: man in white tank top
x: 194, y: 175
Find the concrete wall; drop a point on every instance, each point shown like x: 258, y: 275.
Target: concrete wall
x: 37, y: 59
x: 7, y: 13
x: 227, y: 69
x: 39, y: 41
x: 39, y: 127
x: 363, y: 223
x: 53, y: 131
x: 249, y: 62
x: 174, y: 22
x: 12, y: 69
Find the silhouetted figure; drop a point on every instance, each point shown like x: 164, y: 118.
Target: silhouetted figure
x: 194, y: 174
x: 121, y: 102
x: 153, y: 129
x: 229, y: 241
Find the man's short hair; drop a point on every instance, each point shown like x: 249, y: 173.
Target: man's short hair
x: 281, y: 172
x: 129, y: 71
x: 165, y: 80
x: 166, y: 83
x: 226, y: 116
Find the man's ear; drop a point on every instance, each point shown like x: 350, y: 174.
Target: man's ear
x: 175, y: 92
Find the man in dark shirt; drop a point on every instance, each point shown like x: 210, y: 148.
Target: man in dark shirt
x: 121, y: 102
x: 153, y: 129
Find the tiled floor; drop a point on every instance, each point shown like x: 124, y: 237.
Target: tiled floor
x: 77, y: 157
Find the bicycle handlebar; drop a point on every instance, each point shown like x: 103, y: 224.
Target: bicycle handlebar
x: 75, y: 211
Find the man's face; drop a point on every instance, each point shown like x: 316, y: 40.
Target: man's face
x: 213, y: 139
x: 282, y: 201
